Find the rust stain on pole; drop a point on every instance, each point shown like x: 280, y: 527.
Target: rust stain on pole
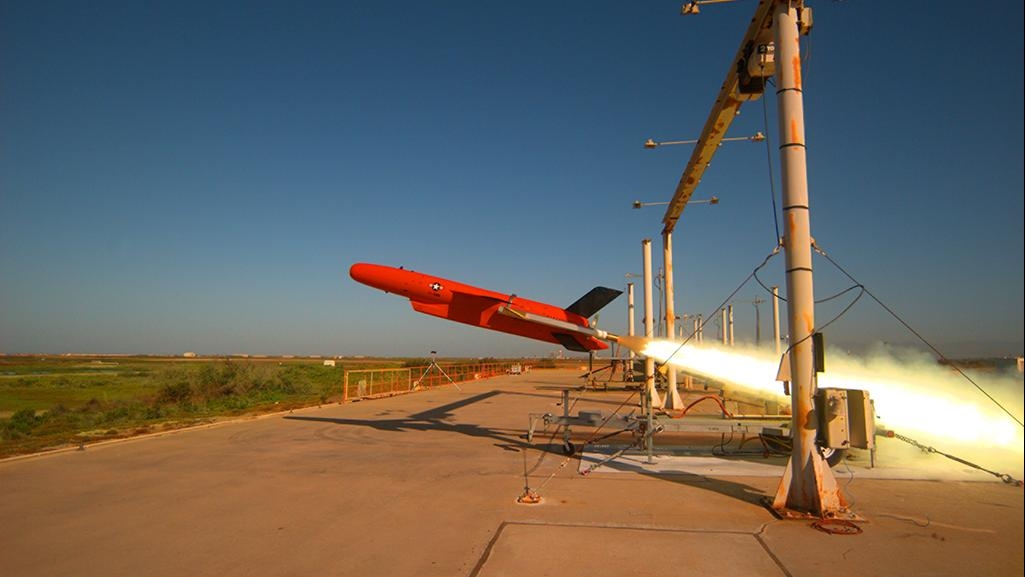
x: 801, y: 419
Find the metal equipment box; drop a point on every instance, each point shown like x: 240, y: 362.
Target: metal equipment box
x: 846, y: 418
x: 861, y: 418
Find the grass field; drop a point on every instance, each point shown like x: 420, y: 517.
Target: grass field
x: 52, y: 401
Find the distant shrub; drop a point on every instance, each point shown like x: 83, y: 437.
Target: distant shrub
x: 58, y: 410
x: 545, y: 363
x: 120, y: 412
x: 153, y: 412
x: 19, y: 425
x: 174, y: 393
x: 25, y: 418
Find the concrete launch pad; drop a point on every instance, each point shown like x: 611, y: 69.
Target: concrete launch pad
x: 426, y: 484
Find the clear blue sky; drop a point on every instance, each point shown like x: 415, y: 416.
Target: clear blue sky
x: 199, y: 176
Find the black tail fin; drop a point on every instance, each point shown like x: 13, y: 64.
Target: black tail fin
x: 593, y: 301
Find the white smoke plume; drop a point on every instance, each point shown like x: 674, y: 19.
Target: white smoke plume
x: 914, y: 395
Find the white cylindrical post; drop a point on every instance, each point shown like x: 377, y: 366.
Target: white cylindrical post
x: 630, y: 312
x: 649, y: 326
x: 673, y: 400
x: 775, y: 317
x: 730, y: 314
x: 722, y: 323
x: 629, y: 372
x: 808, y: 486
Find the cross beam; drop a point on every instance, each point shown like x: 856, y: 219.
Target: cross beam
x: 726, y: 107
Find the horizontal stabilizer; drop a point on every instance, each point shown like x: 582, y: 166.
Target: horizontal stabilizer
x: 593, y: 301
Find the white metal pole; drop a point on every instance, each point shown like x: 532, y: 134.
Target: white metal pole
x: 730, y: 314
x: 775, y: 317
x: 630, y: 313
x: 628, y: 373
x: 722, y: 323
x: 659, y: 319
x: 673, y: 400
x: 808, y: 485
x: 649, y: 328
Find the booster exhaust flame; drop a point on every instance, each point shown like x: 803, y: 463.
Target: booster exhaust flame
x: 913, y: 395
x: 635, y: 344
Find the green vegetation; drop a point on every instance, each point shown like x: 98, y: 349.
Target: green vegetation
x: 47, y: 402
x: 410, y: 363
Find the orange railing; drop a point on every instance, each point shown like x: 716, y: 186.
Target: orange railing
x: 366, y: 383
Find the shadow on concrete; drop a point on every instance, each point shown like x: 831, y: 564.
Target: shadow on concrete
x: 732, y: 489
x: 434, y: 419
x: 437, y: 419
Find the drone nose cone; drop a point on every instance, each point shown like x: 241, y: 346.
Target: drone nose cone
x: 372, y: 275
x: 361, y: 271
x: 386, y: 278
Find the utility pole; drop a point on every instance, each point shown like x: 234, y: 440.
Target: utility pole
x: 758, y: 320
x: 729, y: 309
